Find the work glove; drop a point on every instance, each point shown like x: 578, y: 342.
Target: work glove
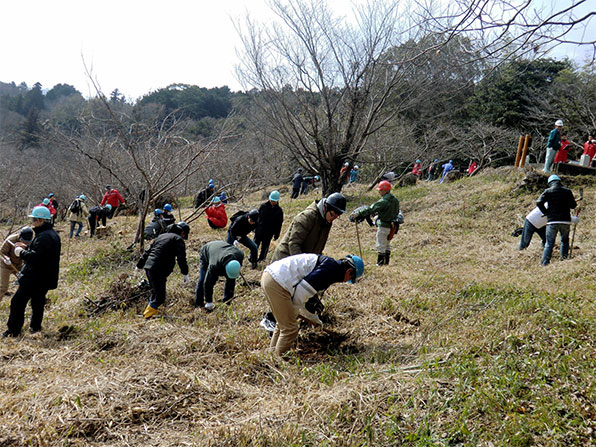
x: 574, y: 219
x: 18, y: 251
x: 186, y: 279
x: 236, y: 244
x: 314, y: 305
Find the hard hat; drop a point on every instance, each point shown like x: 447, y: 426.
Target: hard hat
x: 299, y: 169
x: 26, y: 234
x: 108, y: 187
x: 337, y: 202
x: 223, y: 196
x: 553, y: 178
x: 185, y: 228
x: 436, y: 160
x: 109, y: 207
x: 346, y: 164
x: 417, y: 161
x: 51, y: 194
x: 233, y: 269
x: 83, y: 197
x: 357, y: 264
x: 384, y: 186
x: 211, y: 182
x: 46, y: 201
x: 253, y: 215
x: 317, y: 178
x: 167, y: 207
x: 559, y: 123
x: 450, y: 161
x: 355, y: 166
x: 41, y: 212
x: 157, y: 211
x: 274, y: 196
x: 215, y: 200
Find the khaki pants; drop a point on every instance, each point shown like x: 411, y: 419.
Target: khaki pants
x: 383, y: 244
x: 4, y: 279
x: 280, y: 301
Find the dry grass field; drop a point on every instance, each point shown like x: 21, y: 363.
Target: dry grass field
x: 462, y: 340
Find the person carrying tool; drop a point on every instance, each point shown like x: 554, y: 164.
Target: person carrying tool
x: 38, y: 275
x: 77, y: 214
x: 238, y: 232
x: 11, y: 263
x: 291, y: 286
x: 387, y: 210
x: 216, y: 214
x: 217, y: 258
x: 113, y: 198
x: 309, y: 230
x: 556, y: 202
x: 202, y: 199
x: 95, y: 214
x: 167, y: 216
x: 159, y: 262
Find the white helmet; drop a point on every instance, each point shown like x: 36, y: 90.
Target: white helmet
x: 559, y: 123
x: 355, y: 166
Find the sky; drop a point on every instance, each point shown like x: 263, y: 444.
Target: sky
x: 134, y: 46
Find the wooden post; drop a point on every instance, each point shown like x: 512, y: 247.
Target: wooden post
x: 519, y: 151
x: 522, y: 161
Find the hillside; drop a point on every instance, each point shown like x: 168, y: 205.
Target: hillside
x: 462, y: 340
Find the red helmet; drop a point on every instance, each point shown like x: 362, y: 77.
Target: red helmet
x: 384, y: 186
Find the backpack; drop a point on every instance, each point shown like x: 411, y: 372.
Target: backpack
x: 237, y: 215
x: 75, y: 206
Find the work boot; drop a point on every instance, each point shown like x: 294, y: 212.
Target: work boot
x: 381, y: 259
x: 150, y: 312
x: 254, y: 265
x: 387, y: 256
x: 7, y: 333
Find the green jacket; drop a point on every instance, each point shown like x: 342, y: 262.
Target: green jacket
x: 386, y: 209
x: 308, y: 233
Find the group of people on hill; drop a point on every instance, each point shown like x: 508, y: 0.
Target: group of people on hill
x: 301, y: 184
x: 558, y: 146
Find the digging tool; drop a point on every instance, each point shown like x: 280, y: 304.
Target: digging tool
x: 358, y: 237
x: 579, y: 208
x: 246, y: 282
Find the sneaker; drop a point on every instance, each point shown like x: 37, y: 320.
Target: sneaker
x: 209, y: 306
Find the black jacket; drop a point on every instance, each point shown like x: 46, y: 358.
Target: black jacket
x: 560, y: 200
x: 271, y: 217
x: 297, y: 181
x: 168, y: 218
x: 202, y: 196
x: 98, y: 212
x: 241, y: 227
x: 161, y: 256
x: 42, y: 258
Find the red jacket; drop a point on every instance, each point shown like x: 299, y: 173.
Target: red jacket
x: 472, y: 167
x: 112, y: 197
x: 561, y: 156
x: 417, y: 169
x: 217, y: 215
x: 590, y: 149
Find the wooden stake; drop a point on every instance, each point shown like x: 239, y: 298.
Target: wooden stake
x: 519, y: 151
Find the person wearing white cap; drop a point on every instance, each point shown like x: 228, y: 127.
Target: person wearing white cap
x: 553, y: 145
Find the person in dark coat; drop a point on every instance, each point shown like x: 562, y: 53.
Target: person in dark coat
x: 555, y: 203
x: 238, y: 233
x: 95, y: 214
x: 38, y: 275
x: 297, y: 183
x: 167, y: 216
x: 159, y: 262
x: 217, y: 258
x: 157, y: 225
x: 204, y: 195
x: 271, y: 218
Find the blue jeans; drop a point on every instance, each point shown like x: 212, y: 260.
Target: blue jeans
x: 72, y: 226
x: 551, y: 235
x: 528, y: 232
x: 248, y: 243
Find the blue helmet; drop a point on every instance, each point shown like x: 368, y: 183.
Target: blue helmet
x: 41, y: 212
x: 553, y: 178
x: 167, y: 207
x: 108, y: 207
x: 357, y: 264
x: 51, y: 195
x: 223, y: 195
x: 46, y: 201
x: 158, y: 211
x: 274, y: 196
x: 233, y: 269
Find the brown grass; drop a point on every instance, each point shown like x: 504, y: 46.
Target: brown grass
x: 386, y: 372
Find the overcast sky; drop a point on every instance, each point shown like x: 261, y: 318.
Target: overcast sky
x: 135, y: 46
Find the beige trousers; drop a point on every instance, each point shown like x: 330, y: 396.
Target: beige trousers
x: 280, y: 301
x: 5, y: 273
x: 383, y: 244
